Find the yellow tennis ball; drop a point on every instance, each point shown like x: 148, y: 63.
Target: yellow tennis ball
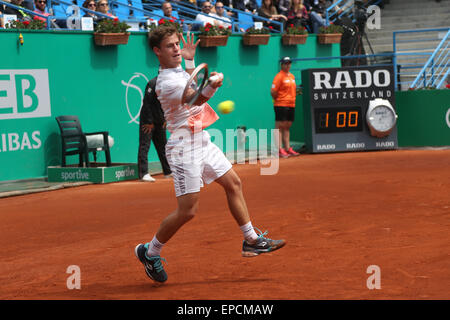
x: 226, y: 106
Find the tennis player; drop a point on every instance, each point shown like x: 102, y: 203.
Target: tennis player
x: 193, y: 158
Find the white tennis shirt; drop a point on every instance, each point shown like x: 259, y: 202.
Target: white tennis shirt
x: 169, y: 89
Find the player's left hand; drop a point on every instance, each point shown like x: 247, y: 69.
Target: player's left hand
x: 189, y: 47
x: 217, y: 83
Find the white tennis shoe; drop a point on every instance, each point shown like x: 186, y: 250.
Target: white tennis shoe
x: 148, y: 178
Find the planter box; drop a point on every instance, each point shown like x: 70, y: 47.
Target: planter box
x: 117, y: 172
x: 327, y: 38
x: 294, y: 39
x: 213, y: 41
x: 111, y: 39
x: 255, y: 39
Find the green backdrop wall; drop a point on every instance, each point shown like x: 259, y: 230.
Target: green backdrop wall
x: 423, y: 118
x: 65, y: 73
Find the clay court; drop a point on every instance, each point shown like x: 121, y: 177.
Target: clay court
x: 340, y: 213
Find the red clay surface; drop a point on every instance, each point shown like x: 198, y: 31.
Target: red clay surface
x: 340, y: 213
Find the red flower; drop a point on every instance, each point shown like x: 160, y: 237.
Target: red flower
x: 208, y: 25
x: 116, y: 19
x: 291, y: 25
x: 174, y: 18
x: 270, y: 27
x: 207, y: 29
x: 26, y: 23
x: 161, y: 21
x: 220, y: 27
x: 229, y: 27
x: 448, y: 86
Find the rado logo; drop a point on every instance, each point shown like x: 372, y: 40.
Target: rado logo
x: 351, y: 79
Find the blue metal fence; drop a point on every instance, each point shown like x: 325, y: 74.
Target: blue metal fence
x: 30, y: 13
x: 347, y: 9
x: 414, y: 56
x: 436, y: 70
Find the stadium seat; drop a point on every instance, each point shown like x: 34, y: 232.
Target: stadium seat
x: 74, y: 141
x: 245, y: 20
x: 124, y: 10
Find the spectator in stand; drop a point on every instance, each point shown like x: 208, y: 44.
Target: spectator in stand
x: 298, y: 15
x: 1, y: 19
x: 227, y: 3
x: 269, y: 11
x: 317, y: 15
x: 205, y: 16
x: 103, y: 7
x: 20, y: 14
x: 91, y: 5
x: 220, y: 13
x: 283, y: 6
x: 40, y: 8
x: 245, y: 5
x: 167, y: 10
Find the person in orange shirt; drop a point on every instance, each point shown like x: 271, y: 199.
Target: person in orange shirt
x: 283, y: 92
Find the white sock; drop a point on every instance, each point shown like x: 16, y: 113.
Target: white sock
x: 154, y: 248
x: 248, y: 231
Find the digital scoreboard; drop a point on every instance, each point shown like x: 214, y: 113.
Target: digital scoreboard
x: 349, y: 109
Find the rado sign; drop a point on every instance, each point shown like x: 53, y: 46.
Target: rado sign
x: 343, y: 85
x: 335, y: 104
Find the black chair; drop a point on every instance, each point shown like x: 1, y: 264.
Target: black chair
x: 73, y: 141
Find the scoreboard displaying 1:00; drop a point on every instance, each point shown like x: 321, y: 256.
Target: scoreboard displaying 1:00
x: 335, y: 103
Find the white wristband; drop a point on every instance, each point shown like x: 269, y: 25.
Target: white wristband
x: 208, y: 91
x: 190, y: 64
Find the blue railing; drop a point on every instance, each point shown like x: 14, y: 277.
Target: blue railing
x: 417, y: 56
x: 142, y: 11
x: 437, y: 67
x: 29, y: 12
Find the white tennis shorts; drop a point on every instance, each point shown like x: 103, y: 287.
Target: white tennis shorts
x: 194, y: 161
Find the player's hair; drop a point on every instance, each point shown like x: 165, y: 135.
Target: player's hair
x: 159, y: 33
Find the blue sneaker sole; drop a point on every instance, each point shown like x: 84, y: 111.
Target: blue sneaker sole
x: 249, y: 254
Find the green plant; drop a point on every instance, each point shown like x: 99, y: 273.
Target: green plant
x: 253, y: 30
x: 111, y: 26
x: 211, y: 30
x: 291, y: 29
x: 34, y: 24
x: 169, y: 23
x: 332, y: 28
